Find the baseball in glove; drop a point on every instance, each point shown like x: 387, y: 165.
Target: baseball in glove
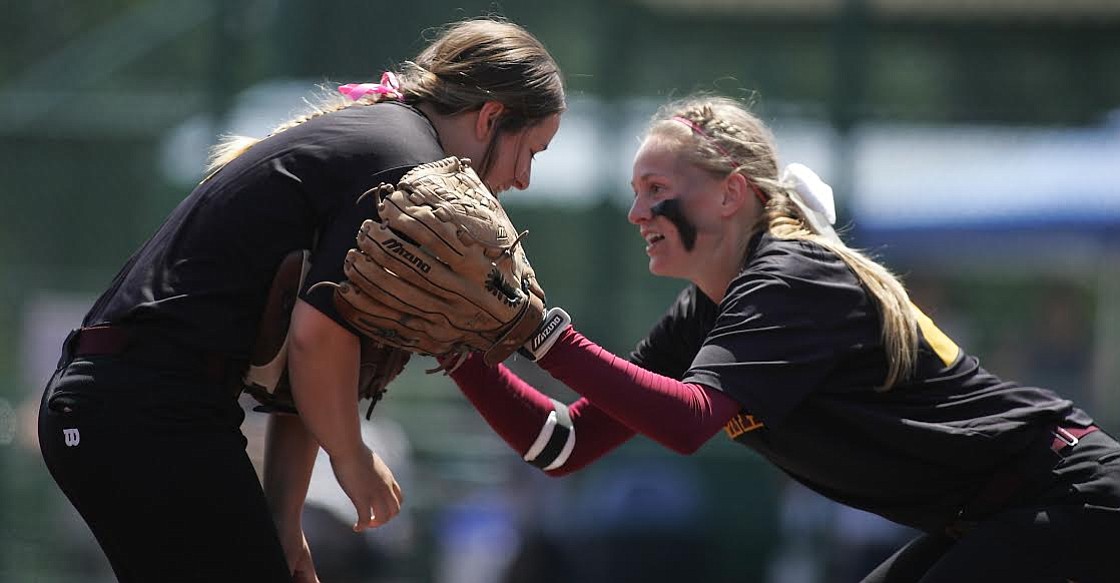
x: 442, y: 272
x: 266, y: 378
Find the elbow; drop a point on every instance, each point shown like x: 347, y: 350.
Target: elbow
x: 303, y: 338
x: 299, y: 340
x: 311, y: 331
x: 685, y: 444
x: 685, y: 449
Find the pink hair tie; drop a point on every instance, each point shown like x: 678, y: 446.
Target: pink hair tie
x: 389, y: 87
x: 699, y: 130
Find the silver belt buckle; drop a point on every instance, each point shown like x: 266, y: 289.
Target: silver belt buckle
x: 1065, y: 436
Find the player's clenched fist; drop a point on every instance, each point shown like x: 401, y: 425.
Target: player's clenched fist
x: 370, y: 485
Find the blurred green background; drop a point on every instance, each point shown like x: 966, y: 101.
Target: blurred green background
x: 974, y: 146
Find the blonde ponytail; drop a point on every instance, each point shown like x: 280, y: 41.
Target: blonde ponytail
x: 898, y: 320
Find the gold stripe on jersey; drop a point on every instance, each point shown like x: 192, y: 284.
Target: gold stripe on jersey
x: 741, y: 424
x: 946, y: 349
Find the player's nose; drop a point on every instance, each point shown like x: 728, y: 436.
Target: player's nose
x: 639, y: 212
x: 521, y: 182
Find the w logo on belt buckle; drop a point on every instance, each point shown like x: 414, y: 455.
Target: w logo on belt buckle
x: 71, y: 436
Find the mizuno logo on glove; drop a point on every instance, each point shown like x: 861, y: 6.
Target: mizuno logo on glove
x: 395, y: 246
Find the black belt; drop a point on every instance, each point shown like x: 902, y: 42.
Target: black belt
x: 148, y: 349
x: 1005, y: 484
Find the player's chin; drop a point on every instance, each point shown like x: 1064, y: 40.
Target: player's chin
x: 496, y: 189
x: 660, y: 261
x: 659, y: 267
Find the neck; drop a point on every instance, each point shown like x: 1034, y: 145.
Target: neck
x: 722, y: 264
x: 447, y: 127
x: 430, y: 112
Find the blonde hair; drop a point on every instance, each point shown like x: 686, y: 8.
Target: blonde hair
x: 466, y: 65
x: 735, y: 140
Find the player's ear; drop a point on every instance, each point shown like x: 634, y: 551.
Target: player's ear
x: 487, y: 122
x: 736, y: 193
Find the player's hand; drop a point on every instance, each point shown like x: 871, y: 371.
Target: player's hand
x: 370, y: 485
x: 298, y: 555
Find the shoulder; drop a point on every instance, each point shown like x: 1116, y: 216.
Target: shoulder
x: 388, y: 116
x: 797, y: 273
x: 390, y: 133
x: 793, y: 259
x: 395, y: 114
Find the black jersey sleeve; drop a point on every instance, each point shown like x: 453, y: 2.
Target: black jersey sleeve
x: 674, y: 340
x: 786, y: 324
x: 367, y: 147
x: 337, y: 237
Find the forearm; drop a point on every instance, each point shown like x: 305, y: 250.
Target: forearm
x: 680, y: 416
x: 518, y: 413
x: 289, y: 457
x: 323, y: 370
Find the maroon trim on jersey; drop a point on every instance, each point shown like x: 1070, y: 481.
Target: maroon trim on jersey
x: 680, y: 416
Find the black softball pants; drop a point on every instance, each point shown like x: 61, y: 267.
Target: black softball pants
x: 1068, y: 533
x: 155, y: 463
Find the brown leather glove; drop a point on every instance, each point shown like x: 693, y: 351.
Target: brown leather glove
x: 443, y: 271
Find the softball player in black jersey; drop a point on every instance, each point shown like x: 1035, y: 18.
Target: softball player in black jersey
x: 812, y: 355
x: 140, y: 423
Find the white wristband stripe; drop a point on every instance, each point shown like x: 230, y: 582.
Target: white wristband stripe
x: 543, y: 438
x: 569, y: 445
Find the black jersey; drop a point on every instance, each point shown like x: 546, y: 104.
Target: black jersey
x: 202, y: 278
x: 797, y: 342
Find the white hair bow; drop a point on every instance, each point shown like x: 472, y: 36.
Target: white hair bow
x: 813, y: 196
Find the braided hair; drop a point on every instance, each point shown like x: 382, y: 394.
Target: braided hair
x: 721, y: 136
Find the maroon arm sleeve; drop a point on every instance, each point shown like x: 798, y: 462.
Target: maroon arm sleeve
x: 517, y: 412
x: 679, y: 416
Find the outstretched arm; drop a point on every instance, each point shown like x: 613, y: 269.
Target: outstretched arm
x: 680, y: 416
x: 533, y: 425
x: 619, y: 399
